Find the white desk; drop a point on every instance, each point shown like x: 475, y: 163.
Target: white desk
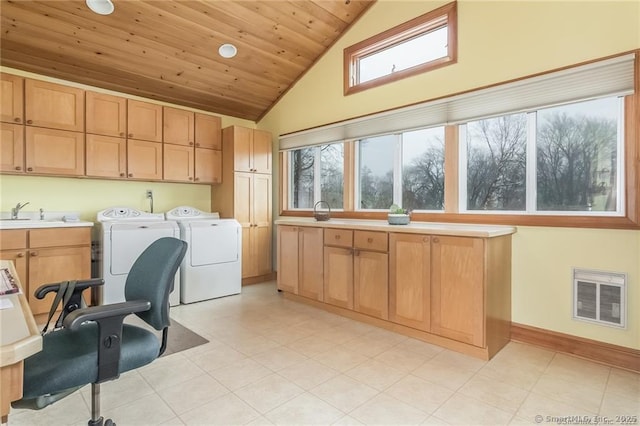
x: 19, y: 339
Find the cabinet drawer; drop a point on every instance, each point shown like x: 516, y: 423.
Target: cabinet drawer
x: 370, y: 240
x: 338, y: 237
x: 13, y: 239
x: 56, y: 237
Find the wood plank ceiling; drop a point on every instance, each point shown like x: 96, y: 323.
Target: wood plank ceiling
x: 167, y: 50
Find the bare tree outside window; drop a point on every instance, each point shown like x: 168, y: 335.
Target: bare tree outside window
x: 332, y: 174
x: 376, y: 172
x: 423, y: 169
x: 302, y: 172
x: 496, y: 163
x: 577, y: 156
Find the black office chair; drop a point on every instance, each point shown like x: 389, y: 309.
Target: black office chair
x: 94, y: 346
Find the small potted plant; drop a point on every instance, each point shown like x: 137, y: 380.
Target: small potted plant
x: 398, y: 215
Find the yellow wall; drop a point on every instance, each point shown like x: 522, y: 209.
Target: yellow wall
x: 89, y: 196
x: 497, y: 41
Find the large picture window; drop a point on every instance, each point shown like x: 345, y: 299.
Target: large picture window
x: 317, y: 173
x: 564, y: 159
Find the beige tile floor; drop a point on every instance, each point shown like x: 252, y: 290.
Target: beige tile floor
x: 273, y: 361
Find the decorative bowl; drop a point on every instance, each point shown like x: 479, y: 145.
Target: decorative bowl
x: 398, y: 219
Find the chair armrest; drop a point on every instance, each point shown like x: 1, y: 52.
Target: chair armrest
x: 109, y: 319
x: 97, y: 313
x: 81, y: 285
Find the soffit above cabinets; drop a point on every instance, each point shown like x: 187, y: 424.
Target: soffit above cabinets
x: 168, y: 50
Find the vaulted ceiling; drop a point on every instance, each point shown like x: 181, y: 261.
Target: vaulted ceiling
x: 168, y: 50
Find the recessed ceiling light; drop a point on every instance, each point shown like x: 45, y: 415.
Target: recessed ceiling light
x: 227, y: 50
x: 101, y: 7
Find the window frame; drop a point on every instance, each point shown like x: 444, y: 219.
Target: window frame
x: 443, y: 16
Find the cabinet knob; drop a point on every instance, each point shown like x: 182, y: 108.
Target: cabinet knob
x: 122, y: 134
x: 18, y: 168
x: 122, y: 175
x: 436, y: 239
x: 425, y: 239
x: 130, y: 135
x: 34, y: 253
x: 337, y: 237
x: 197, y: 145
x: 29, y: 169
x: 17, y: 119
x: 190, y: 178
x: 20, y: 255
x: 369, y: 240
x: 130, y: 174
x: 190, y: 143
x: 29, y: 121
x: 197, y: 179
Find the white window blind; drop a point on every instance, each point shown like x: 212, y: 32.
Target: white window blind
x: 603, y: 78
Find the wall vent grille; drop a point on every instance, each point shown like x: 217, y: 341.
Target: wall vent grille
x: 600, y: 297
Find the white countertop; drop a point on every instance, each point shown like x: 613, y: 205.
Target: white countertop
x: 459, y: 229
x: 31, y: 219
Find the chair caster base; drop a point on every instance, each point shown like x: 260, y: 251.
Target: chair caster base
x: 101, y: 422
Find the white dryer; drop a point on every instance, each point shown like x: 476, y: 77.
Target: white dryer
x: 124, y: 234
x: 212, y: 266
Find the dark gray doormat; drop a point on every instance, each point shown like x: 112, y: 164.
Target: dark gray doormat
x: 181, y: 338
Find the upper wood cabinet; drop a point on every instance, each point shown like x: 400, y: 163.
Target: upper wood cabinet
x: 208, y: 131
x: 55, y: 152
x: 106, y: 156
x: 54, y: 106
x: 178, y: 126
x: 178, y: 163
x: 144, y: 160
x: 208, y: 168
x: 144, y: 121
x: 410, y: 280
x: 252, y: 149
x: 11, y: 98
x: 11, y: 148
x: 106, y: 114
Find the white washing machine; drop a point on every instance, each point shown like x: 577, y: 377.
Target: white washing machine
x: 212, y: 266
x: 124, y: 234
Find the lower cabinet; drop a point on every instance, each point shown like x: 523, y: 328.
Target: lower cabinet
x: 44, y: 256
x: 449, y: 288
x: 302, y: 268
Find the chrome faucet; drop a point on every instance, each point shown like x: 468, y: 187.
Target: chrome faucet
x: 16, y: 210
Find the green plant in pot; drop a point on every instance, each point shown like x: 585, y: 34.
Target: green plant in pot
x: 398, y: 215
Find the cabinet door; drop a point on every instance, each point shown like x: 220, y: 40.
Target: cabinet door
x: 178, y: 163
x: 261, y: 220
x: 457, y: 277
x: 288, y: 248
x: 11, y: 99
x: 54, y: 106
x: 338, y: 276
x: 242, y: 148
x: 50, y: 265
x: 208, y: 133
x: 106, y: 156
x: 262, y: 151
x: 19, y: 259
x: 144, y: 121
x: 11, y: 147
x: 370, y: 283
x: 55, y: 152
x: 178, y: 126
x: 106, y: 115
x: 410, y: 280
x: 243, y: 213
x: 310, y: 263
x: 144, y: 160
x: 208, y: 166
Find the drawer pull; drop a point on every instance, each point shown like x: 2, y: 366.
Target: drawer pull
x: 337, y: 237
x: 369, y: 240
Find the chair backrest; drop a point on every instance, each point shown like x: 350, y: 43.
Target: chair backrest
x: 151, y: 278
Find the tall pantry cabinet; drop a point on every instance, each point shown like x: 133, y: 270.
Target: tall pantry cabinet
x: 245, y: 194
